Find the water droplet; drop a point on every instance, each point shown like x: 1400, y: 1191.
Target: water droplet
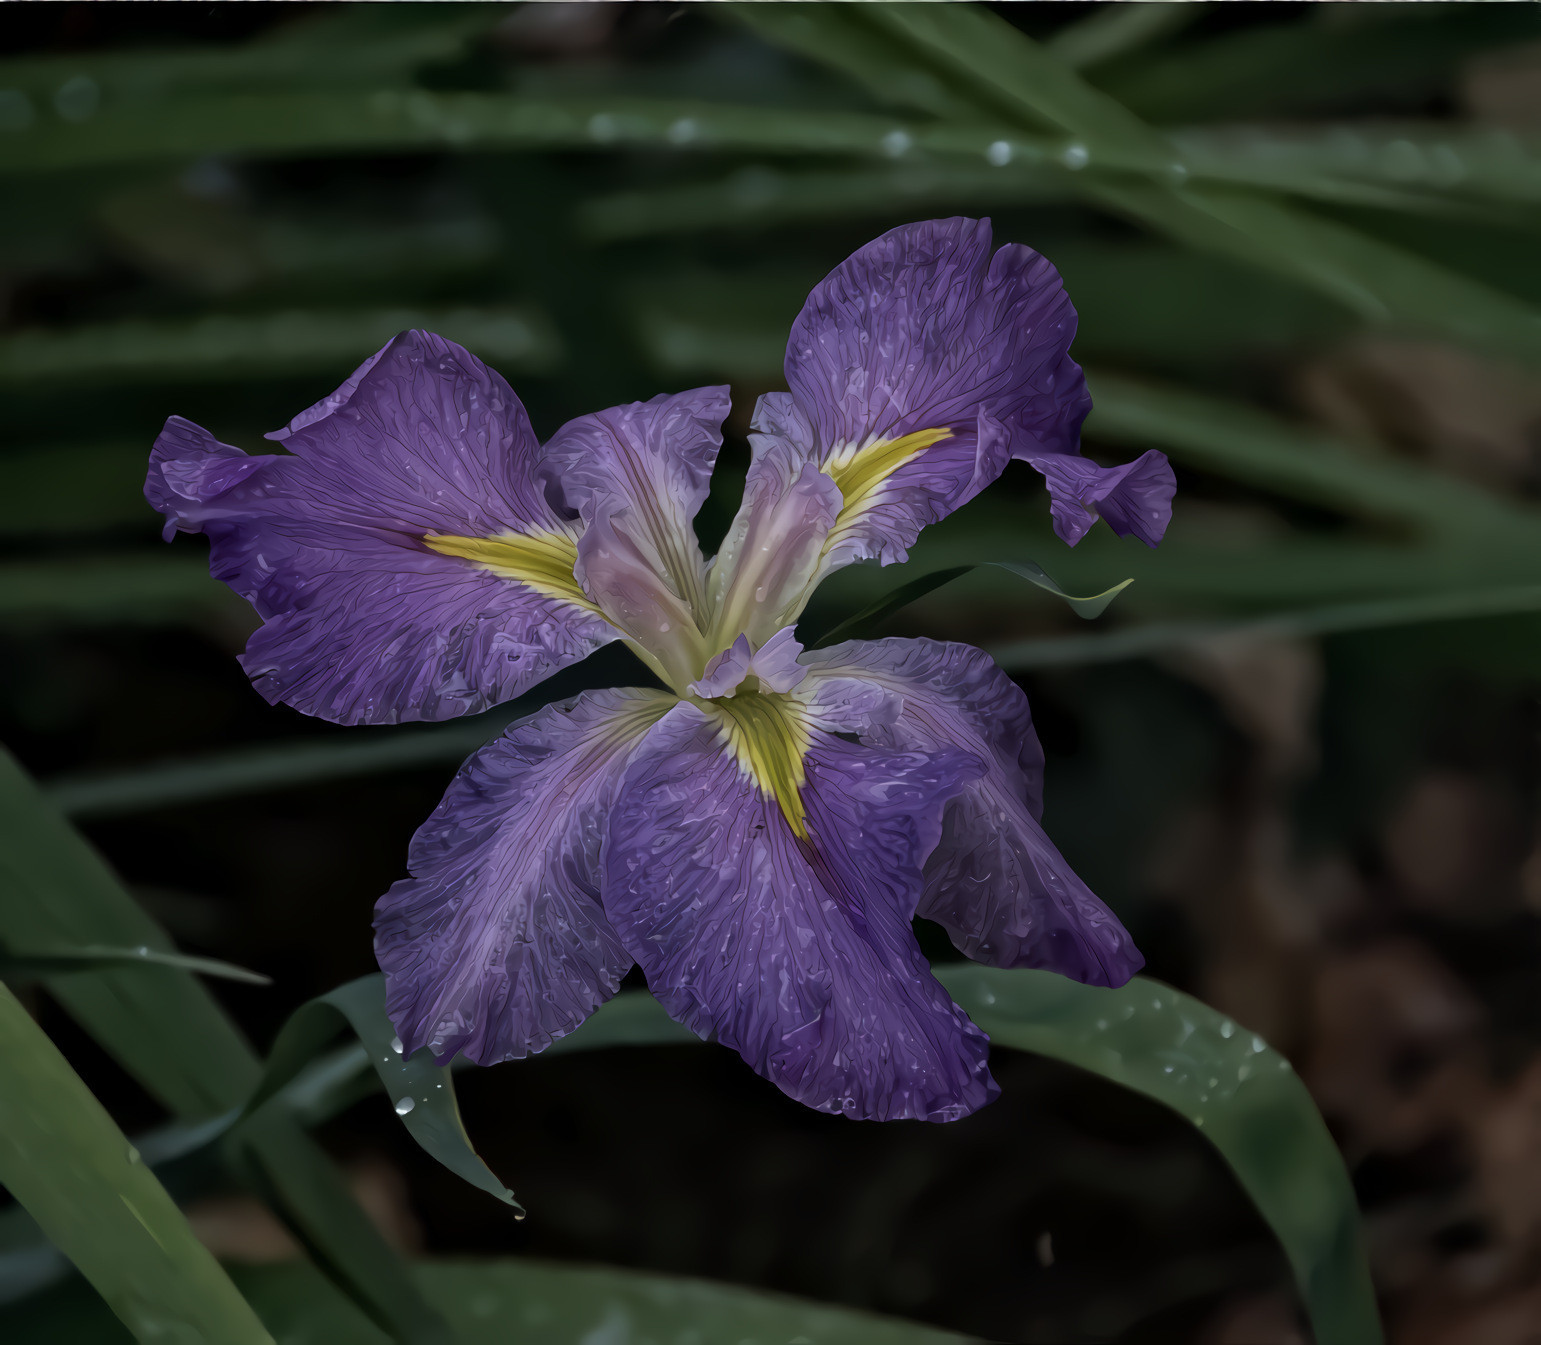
x: 1258, y: 1046
x: 1227, y: 1029
x: 1075, y: 155
x: 396, y: 1045
x: 683, y: 131
x: 518, y: 1216
x: 133, y: 1155
x: 664, y: 627
x: 999, y: 153
x: 404, y: 1106
x: 896, y: 143
x: 143, y: 950
x: 602, y: 127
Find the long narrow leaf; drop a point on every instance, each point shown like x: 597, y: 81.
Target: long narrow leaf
x: 32, y: 963
x: 63, y: 1158
x: 422, y: 1093
x: 223, y: 347
x: 163, y: 1027
x: 856, y: 627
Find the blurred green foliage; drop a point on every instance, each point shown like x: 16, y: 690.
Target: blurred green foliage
x: 602, y: 202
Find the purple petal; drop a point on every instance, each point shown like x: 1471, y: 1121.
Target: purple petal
x: 637, y: 475
x: 497, y: 944
x: 924, y: 330
x: 995, y: 881
x: 364, y: 623
x: 796, y: 952
x: 1134, y: 498
x: 726, y: 671
x: 772, y: 555
x: 774, y: 666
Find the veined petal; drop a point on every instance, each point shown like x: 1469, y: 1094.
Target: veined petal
x: 497, y: 944
x: 637, y: 475
x: 792, y: 944
x: 995, y: 881
x: 1134, y: 498
x: 919, y: 366
x: 404, y: 557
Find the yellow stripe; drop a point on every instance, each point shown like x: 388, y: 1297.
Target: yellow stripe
x: 861, y: 473
x: 768, y: 735
x: 541, y: 560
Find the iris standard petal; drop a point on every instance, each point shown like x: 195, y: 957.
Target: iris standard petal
x: 637, y: 475
x: 497, y: 944
x: 774, y: 552
x: 1134, y: 498
x: 898, y: 352
x: 995, y: 881
x: 403, y: 557
x: 783, y: 930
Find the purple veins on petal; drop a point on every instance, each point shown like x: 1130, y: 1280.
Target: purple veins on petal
x: 498, y: 944
x: 995, y: 881
x: 796, y: 951
x: 1134, y: 499
x: 366, y: 548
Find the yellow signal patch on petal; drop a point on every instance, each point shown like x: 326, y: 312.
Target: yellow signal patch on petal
x: 860, y: 472
x: 541, y: 560
x: 768, y: 734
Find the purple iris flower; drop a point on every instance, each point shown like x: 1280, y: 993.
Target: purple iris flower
x: 759, y: 835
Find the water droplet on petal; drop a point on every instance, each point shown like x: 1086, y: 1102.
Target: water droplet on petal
x: 396, y: 1045
x: 999, y: 153
x: 404, y: 1106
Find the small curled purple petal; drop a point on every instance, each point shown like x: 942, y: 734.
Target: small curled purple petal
x: 1134, y: 499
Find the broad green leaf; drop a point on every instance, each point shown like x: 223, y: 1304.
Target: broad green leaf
x: 62, y: 1157
x: 1243, y: 1094
x: 524, y: 1300
x: 422, y: 1093
x: 165, y: 1029
x: 159, y: 1022
x: 856, y: 627
x: 225, y: 347
x: 1143, y: 640
x: 31, y: 963
x: 1227, y: 1081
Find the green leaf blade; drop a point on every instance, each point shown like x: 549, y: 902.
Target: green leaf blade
x: 1228, y: 1082
x: 69, y: 1165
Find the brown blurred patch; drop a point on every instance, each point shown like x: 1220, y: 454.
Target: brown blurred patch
x: 1454, y: 847
x: 1452, y: 409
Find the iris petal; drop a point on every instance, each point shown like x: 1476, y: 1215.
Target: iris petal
x: 796, y: 951
x: 995, y: 881
x: 365, y: 619
x: 497, y: 944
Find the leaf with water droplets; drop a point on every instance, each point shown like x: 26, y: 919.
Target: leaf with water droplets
x: 421, y: 1092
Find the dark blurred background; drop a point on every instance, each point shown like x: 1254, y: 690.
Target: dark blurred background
x: 1325, y: 827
